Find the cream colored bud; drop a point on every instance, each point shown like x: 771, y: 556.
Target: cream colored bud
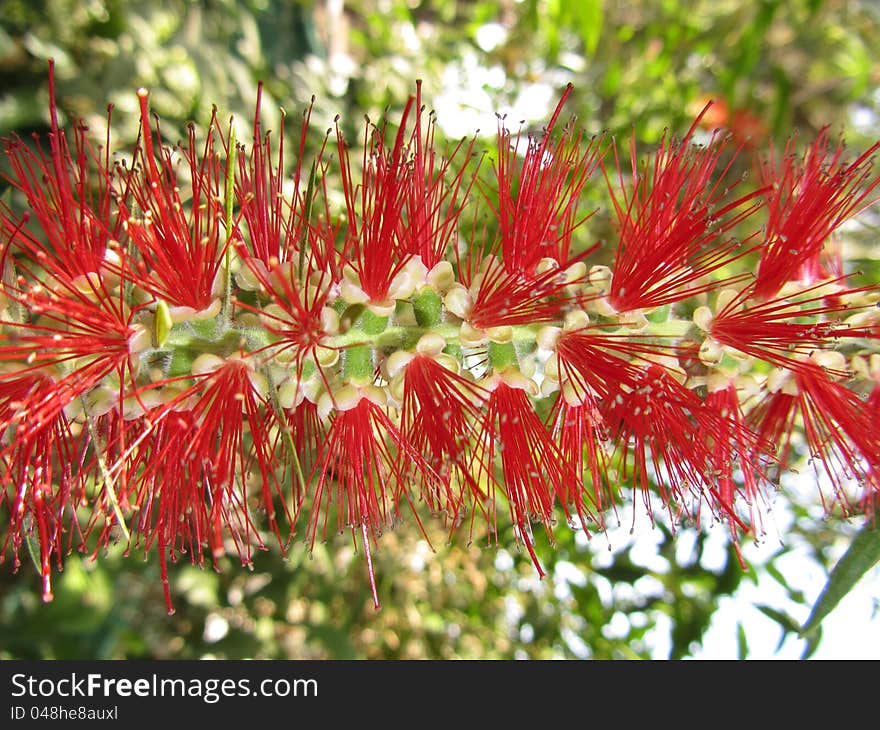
x: 140, y: 339
x: 289, y: 394
x: 711, y: 353
x: 430, y: 344
x: 206, y: 363
x: 259, y: 383
x: 249, y: 277
x: 724, y: 298
x: 312, y: 389
x: 859, y: 365
x: 576, y: 273
x: 324, y: 406
x: 441, y: 276
x: 547, y: 337
x: 501, y: 335
x: 397, y: 387
x: 573, y: 394
x: 74, y: 410
x: 402, y: 285
x: 374, y: 394
x: 448, y: 362
x: 575, y: 320
x: 863, y: 319
x: 352, y: 293
x: 90, y: 282
x: 551, y: 367
x: 874, y: 366
x: 396, y: 362
x: 382, y: 309
x: 273, y: 316
x: 326, y: 357
x: 471, y: 336
x: 549, y: 387
x: 329, y: 321
x: 458, y: 301
x: 600, y: 277
x: 634, y: 321
x: 717, y: 381
x: 829, y: 360
x: 603, y: 307
x: 703, y: 317
x: 546, y: 264
x: 780, y: 379
x: 135, y: 407
x: 346, y: 398
x: 527, y: 366
x: 515, y: 379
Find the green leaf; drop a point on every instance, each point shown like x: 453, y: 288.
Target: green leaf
x: 589, y: 19
x: 862, y: 554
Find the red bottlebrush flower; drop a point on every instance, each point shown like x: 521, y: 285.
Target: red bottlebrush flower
x: 375, y: 208
x: 808, y: 198
x: 276, y: 227
x: 736, y: 448
x: 579, y: 429
x: 783, y: 331
x: 80, y: 336
x: 537, y: 213
x: 506, y: 298
x: 837, y: 428
x: 435, y: 195
x: 438, y: 417
x: 673, y: 224
x: 361, y: 470
x: 593, y: 367
x: 43, y: 479
x: 534, y: 474
x: 662, y: 427
x: 71, y: 206
x: 178, y: 248
x: 204, y: 467
x: 538, y: 198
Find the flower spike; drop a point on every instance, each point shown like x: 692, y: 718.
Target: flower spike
x: 201, y: 361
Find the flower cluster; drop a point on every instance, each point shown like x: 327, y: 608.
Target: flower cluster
x: 199, y: 352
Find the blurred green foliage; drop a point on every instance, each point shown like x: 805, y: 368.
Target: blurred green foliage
x: 638, y: 67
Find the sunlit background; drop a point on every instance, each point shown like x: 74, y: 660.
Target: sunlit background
x: 773, y: 69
